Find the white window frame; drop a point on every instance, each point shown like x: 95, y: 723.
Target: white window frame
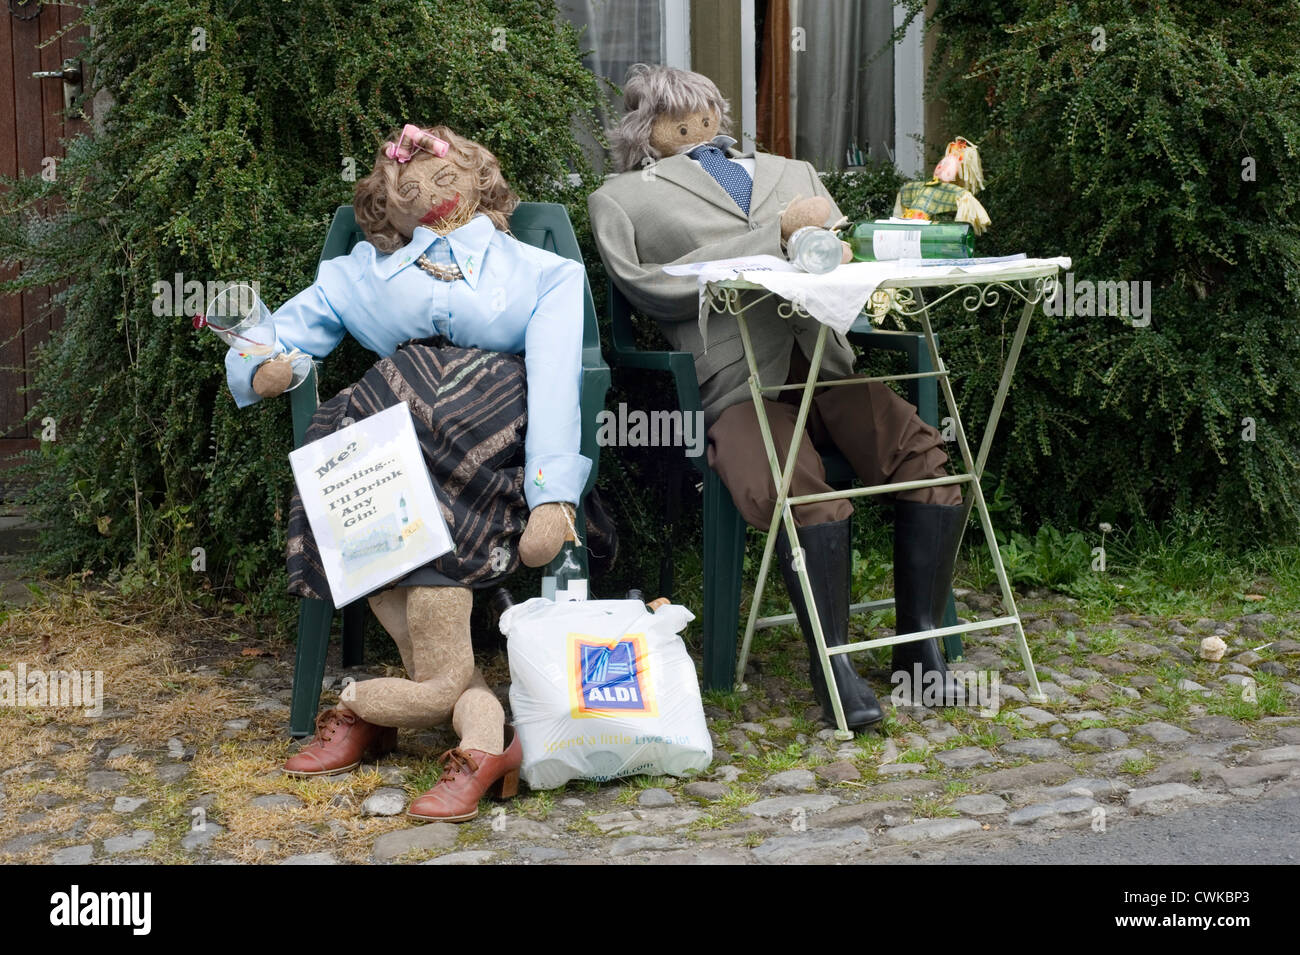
x: 748, y: 78
x: 909, y: 98
x: 675, y: 15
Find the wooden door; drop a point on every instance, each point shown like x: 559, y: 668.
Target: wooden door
x: 31, y: 130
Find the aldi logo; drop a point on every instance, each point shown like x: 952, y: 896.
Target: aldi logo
x: 609, y: 677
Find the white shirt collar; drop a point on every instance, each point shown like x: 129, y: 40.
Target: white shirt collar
x: 725, y: 143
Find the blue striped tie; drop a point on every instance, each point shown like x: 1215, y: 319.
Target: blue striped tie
x: 730, y: 175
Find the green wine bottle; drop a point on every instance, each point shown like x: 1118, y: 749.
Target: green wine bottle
x: 878, y: 241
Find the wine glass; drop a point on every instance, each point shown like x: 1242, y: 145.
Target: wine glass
x: 241, y: 319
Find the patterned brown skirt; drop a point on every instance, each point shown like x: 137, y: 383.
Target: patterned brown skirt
x: 470, y: 410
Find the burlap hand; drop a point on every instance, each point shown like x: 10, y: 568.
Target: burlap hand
x: 804, y: 212
x: 272, y: 377
x: 548, y: 528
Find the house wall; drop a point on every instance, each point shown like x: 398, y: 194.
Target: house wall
x: 715, y: 52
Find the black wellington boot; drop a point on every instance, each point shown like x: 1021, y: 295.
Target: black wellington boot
x: 828, y: 556
x: 926, y: 537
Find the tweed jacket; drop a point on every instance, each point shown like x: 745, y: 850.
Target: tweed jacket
x: 675, y: 212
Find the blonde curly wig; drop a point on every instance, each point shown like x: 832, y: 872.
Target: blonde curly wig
x: 384, y: 185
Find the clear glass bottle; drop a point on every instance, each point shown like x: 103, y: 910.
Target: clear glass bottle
x: 567, y: 581
x: 815, y: 250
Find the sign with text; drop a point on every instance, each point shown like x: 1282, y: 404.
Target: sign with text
x: 370, y: 503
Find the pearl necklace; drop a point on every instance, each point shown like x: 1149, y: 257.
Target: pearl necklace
x: 444, y: 273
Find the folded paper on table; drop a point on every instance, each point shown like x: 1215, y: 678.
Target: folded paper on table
x: 370, y: 503
x: 731, y: 268
x: 836, y: 298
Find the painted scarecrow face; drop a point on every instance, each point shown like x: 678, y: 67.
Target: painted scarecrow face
x: 435, y: 192
x: 671, y: 134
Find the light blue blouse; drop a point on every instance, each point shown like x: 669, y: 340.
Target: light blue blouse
x: 513, y: 298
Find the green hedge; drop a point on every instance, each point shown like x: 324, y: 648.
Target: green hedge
x: 235, y: 129
x: 223, y: 160
x: 1125, y: 135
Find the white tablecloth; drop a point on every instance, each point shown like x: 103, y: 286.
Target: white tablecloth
x: 837, y: 298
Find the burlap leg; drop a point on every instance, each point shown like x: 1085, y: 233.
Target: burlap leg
x: 479, y: 719
x: 885, y: 440
x: 737, y: 453
x: 389, y: 608
x: 442, y: 664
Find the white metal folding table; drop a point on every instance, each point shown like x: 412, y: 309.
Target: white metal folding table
x: 1031, y: 282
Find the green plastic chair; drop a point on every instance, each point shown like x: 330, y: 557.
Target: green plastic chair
x: 724, y: 528
x: 544, y: 225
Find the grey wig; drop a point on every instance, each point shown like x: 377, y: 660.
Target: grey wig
x: 653, y: 91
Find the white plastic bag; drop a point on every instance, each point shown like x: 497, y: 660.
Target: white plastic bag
x: 602, y: 689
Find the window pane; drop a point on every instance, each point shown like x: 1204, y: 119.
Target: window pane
x: 841, y: 96
x: 618, y: 33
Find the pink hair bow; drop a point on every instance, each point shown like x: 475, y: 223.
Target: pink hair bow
x: 417, y: 139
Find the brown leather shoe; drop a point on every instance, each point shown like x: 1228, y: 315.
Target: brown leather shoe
x: 342, y: 741
x: 468, y: 774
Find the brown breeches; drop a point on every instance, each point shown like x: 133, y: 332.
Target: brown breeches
x: 877, y: 431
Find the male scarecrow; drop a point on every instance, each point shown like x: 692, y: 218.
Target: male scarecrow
x: 686, y: 195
